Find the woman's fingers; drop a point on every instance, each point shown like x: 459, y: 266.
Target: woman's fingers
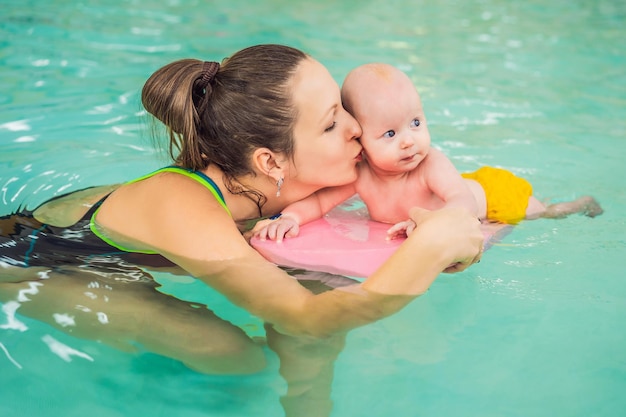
x: 455, y: 231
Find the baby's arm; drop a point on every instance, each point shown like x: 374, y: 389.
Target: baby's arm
x: 301, y: 212
x: 445, y: 182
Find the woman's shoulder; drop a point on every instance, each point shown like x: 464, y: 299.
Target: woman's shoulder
x: 164, y: 191
x: 166, y: 213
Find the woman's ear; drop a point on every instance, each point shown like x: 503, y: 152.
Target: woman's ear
x: 268, y: 163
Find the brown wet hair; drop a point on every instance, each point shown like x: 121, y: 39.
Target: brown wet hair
x: 221, y: 119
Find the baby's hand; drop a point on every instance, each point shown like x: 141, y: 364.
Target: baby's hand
x: 401, y: 229
x: 284, y: 226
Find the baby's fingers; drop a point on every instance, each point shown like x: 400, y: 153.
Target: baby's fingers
x: 279, y: 229
x: 410, y: 228
x: 400, y: 229
x: 261, y: 233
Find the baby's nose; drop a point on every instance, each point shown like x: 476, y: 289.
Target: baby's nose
x: 406, y: 141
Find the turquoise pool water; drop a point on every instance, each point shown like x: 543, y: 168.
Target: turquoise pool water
x: 536, y: 329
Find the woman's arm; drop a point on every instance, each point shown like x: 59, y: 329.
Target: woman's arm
x: 190, y: 228
x: 307, y: 365
x: 248, y: 280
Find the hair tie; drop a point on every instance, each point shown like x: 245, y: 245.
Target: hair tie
x: 209, y: 69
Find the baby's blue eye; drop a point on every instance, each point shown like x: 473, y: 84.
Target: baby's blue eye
x: 415, y: 123
x: 389, y: 134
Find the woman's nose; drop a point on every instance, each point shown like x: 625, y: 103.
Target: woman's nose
x: 354, y: 128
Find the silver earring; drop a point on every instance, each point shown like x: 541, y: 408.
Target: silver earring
x: 279, y: 184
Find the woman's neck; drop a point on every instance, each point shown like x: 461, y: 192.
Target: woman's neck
x: 244, y: 195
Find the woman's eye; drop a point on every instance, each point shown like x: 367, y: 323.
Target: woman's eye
x: 389, y: 134
x: 331, y: 127
x: 415, y: 123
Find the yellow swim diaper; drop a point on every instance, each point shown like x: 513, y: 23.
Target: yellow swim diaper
x: 507, y: 195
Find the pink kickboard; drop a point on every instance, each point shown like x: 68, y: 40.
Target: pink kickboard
x: 348, y: 245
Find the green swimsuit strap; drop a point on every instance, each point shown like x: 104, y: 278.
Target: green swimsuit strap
x: 194, y: 175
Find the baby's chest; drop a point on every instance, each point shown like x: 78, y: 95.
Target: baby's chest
x: 386, y: 206
x: 390, y: 205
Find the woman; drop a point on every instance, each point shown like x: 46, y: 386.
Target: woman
x: 263, y: 130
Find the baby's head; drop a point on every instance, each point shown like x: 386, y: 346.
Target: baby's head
x: 386, y: 104
x: 371, y: 87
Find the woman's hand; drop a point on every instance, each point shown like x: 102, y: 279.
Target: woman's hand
x: 454, y: 231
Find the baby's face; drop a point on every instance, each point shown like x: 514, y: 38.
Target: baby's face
x: 395, y: 136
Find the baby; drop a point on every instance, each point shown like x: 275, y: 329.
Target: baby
x: 400, y: 170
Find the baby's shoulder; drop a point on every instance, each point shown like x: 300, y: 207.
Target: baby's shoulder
x: 435, y: 155
x: 436, y: 161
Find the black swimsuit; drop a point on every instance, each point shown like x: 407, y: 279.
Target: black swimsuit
x: 25, y: 241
